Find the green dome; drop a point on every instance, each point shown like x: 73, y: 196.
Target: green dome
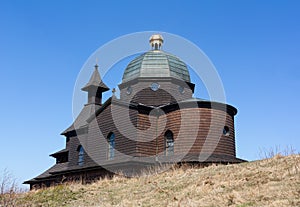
x: 155, y: 64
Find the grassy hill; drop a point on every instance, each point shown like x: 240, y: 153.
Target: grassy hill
x: 269, y: 182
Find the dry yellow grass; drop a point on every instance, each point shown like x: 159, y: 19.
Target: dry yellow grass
x: 269, y: 182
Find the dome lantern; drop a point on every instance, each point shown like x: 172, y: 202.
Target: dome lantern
x: 156, y: 41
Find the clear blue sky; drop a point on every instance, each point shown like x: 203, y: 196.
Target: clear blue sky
x: 254, y: 45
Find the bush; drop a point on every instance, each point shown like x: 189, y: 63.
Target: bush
x: 276, y: 151
x: 8, y: 189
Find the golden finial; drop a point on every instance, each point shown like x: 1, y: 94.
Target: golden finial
x: 156, y: 41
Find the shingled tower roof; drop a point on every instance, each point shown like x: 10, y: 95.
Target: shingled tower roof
x: 95, y: 82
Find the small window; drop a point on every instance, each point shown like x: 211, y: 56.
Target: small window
x: 111, y: 146
x: 226, y: 131
x: 169, y: 143
x: 154, y: 86
x: 181, y: 89
x: 80, y: 155
x: 129, y: 90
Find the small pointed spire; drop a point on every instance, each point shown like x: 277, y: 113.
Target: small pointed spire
x: 95, y: 87
x: 95, y: 81
x: 113, y: 91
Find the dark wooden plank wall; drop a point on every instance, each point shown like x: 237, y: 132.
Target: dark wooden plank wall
x: 187, y: 140
x: 167, y: 93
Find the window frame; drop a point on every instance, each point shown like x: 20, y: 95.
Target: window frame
x: 81, y: 153
x: 111, y: 141
x: 226, y: 131
x: 169, y: 143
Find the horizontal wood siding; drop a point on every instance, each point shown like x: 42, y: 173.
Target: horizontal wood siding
x: 73, y: 153
x: 209, y: 139
x: 106, y: 123
x: 142, y: 135
x: 168, y: 92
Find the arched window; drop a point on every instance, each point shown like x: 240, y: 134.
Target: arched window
x: 80, y: 155
x: 169, y: 143
x: 111, y: 145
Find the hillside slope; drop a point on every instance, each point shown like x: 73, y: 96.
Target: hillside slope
x: 269, y: 182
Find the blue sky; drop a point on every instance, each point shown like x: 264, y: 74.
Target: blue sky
x: 254, y: 46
